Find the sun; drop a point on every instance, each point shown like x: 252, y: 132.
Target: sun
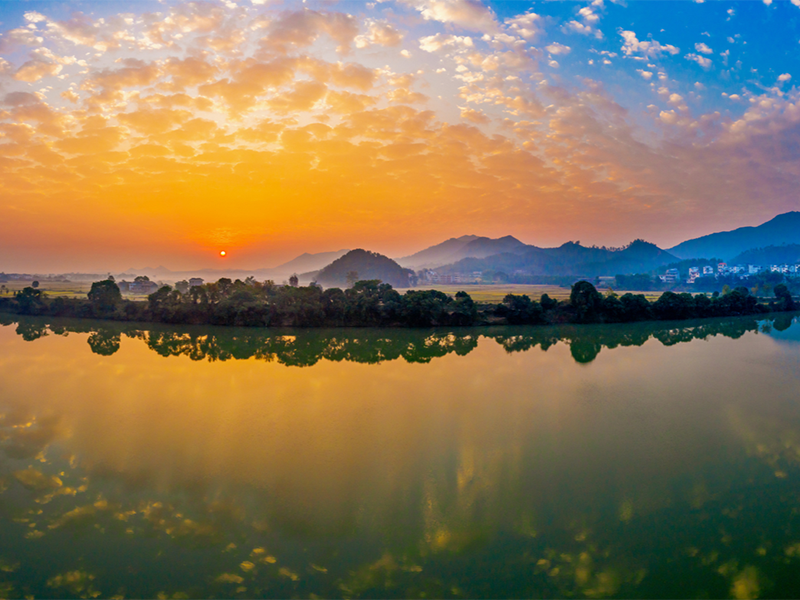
x: 223, y: 253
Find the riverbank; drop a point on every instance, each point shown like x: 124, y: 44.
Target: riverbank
x: 375, y: 304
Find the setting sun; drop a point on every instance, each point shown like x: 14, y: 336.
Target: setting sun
x: 222, y: 253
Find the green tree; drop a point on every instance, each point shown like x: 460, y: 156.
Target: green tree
x: 293, y: 280
x: 35, y: 285
x: 586, y: 301
x: 30, y: 301
x: 182, y: 286
x: 104, y: 297
x: 784, y: 297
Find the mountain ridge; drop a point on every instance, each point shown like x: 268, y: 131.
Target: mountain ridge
x: 781, y: 229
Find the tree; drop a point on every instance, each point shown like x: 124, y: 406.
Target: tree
x: 104, y: 297
x: 586, y: 301
x: 293, y: 280
x: 35, y: 285
x: 547, y: 302
x: 519, y: 310
x: 182, y: 286
x: 141, y: 278
x: 30, y: 301
x: 352, y: 278
x: 784, y: 297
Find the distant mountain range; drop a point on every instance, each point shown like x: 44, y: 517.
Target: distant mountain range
x: 783, y: 229
x: 570, y: 259
x: 454, y: 249
x: 775, y: 242
x: 770, y: 255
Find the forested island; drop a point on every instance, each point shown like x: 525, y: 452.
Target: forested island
x: 372, y: 303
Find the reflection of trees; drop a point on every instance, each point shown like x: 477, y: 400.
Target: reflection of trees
x: 478, y: 511
x: 104, y: 342
x: 305, y: 347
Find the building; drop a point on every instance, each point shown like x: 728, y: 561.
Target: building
x: 672, y: 276
x: 195, y: 281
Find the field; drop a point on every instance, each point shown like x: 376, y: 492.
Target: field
x: 54, y: 289
x: 478, y: 292
x: 496, y: 293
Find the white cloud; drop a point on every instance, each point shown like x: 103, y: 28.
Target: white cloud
x: 556, y: 48
x: 646, y: 74
x: 767, y: 2
x: 553, y: 64
x: 700, y: 60
x: 649, y: 49
x: 469, y: 14
x: 526, y: 26
x: 784, y: 77
x: 588, y: 15
x: 34, y: 17
x: 432, y: 43
x: 701, y: 47
x: 579, y: 27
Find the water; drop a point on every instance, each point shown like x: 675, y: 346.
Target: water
x: 651, y: 460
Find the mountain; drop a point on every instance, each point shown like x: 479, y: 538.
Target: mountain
x: 570, y: 259
x: 783, y: 229
x: 440, y: 254
x: 367, y: 265
x: 308, y: 262
x: 467, y: 246
x: 787, y: 254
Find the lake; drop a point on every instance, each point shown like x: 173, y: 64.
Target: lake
x: 644, y: 460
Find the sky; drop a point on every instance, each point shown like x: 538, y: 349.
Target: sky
x: 159, y: 133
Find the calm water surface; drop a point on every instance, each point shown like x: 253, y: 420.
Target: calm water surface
x: 657, y: 460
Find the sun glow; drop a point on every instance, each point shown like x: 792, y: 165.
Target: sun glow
x: 222, y: 253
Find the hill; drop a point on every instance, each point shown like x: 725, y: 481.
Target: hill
x: 368, y: 265
x: 308, y: 262
x: 783, y: 229
x: 468, y: 246
x: 771, y: 255
x: 570, y: 259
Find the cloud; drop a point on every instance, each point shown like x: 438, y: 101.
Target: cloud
x: 651, y: 49
x: 526, y: 26
x: 433, y: 43
x: 647, y: 75
x: 468, y: 14
x: 700, y: 60
x: 701, y: 47
x: 302, y: 28
x: 557, y: 49
x: 784, y: 77
x: 380, y: 34
x: 34, y: 70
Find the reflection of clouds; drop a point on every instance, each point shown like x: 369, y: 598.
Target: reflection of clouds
x: 436, y: 460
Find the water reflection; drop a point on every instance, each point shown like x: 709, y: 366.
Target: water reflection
x: 668, y: 467
x: 306, y: 347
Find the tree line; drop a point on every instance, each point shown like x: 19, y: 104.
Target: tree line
x: 374, y: 304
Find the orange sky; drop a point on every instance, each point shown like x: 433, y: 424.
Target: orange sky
x: 164, y: 135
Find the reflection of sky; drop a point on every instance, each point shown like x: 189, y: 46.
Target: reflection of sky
x: 390, y: 471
